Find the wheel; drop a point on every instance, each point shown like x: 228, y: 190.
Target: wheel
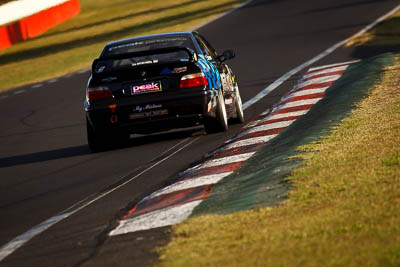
x: 220, y: 123
x: 96, y: 141
x: 239, y: 108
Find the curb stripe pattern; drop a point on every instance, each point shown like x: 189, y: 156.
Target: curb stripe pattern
x: 175, y: 203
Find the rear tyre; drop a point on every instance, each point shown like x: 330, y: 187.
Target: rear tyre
x: 239, y: 108
x: 220, y: 123
x: 96, y: 140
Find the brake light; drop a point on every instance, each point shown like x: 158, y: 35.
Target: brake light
x: 96, y: 93
x: 193, y: 80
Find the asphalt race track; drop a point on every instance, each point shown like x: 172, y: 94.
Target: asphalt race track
x: 46, y: 167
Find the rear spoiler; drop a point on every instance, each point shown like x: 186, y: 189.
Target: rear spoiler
x: 150, y: 52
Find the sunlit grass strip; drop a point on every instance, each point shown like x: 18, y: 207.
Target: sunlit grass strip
x: 73, y: 45
x: 386, y: 34
x: 344, y: 209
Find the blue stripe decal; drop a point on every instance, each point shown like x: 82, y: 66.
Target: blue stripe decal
x: 206, y: 70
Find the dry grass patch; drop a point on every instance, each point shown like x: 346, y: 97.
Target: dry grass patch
x: 344, y: 209
x: 387, y: 33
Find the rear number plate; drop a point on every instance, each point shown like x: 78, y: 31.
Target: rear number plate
x: 146, y: 87
x: 147, y: 114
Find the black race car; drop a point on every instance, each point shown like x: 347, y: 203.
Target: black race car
x: 158, y: 82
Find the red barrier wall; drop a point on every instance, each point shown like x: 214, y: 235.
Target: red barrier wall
x: 4, y: 38
x: 38, y: 23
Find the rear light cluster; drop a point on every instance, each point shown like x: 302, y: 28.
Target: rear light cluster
x: 97, y: 93
x: 193, y: 80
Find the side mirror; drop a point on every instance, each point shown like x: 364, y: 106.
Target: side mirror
x: 227, y: 55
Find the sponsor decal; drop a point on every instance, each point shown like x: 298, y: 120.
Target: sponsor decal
x: 134, y: 64
x: 180, y: 70
x: 148, y: 87
x: 147, y: 107
x: 142, y: 43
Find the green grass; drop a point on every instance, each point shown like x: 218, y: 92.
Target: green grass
x: 73, y: 45
x: 344, y: 209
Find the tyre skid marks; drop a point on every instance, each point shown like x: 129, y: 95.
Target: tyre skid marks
x: 175, y: 202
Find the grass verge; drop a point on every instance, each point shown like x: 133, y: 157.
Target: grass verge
x: 344, y: 209
x: 387, y: 33
x: 73, y: 45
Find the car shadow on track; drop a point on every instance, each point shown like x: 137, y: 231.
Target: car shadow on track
x: 81, y: 150
x: 44, y: 156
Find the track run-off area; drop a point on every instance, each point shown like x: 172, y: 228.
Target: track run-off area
x: 59, y: 181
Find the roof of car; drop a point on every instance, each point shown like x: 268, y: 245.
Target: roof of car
x: 161, y: 35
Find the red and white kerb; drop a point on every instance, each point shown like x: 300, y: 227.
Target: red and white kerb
x: 175, y: 203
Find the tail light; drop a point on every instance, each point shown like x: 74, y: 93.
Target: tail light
x: 193, y: 80
x: 96, y: 93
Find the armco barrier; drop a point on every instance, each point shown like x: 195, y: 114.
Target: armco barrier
x: 37, y: 23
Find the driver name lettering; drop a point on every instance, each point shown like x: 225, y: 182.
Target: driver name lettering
x: 147, y: 107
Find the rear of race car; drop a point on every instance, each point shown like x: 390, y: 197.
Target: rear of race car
x: 144, y: 92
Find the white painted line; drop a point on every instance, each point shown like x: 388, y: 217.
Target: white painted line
x: 265, y: 127
x: 305, y: 92
x: 250, y: 141
x: 37, y: 85
x: 255, y: 122
x: 308, y: 63
x: 298, y: 103
x: 3, y: 96
x: 156, y: 219
x: 333, y: 65
x: 265, y: 112
x: 20, y: 240
x: 189, y: 183
x: 284, y: 115
x: 83, y: 71
x: 316, y: 81
x: 19, y: 92
x: 53, y: 80
x: 330, y: 70
x: 223, y: 161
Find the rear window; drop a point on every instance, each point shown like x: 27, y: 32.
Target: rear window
x: 108, y: 65
x: 149, y: 44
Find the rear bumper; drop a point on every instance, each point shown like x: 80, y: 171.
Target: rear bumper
x: 153, y: 113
